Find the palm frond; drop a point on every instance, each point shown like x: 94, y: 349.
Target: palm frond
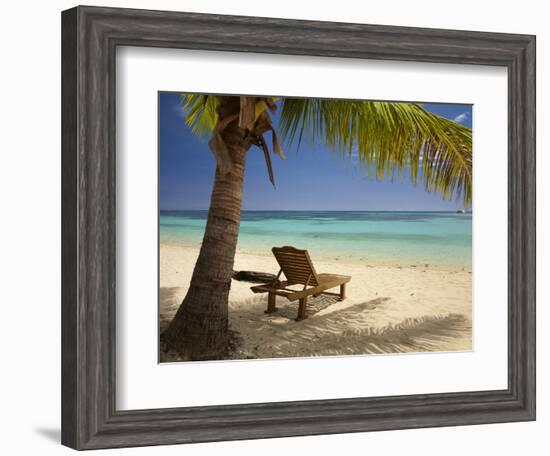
x: 200, y: 112
x: 388, y: 137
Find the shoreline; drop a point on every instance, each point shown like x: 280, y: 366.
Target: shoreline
x: 372, y: 261
x: 389, y: 308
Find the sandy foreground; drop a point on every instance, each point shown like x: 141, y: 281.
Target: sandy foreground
x: 389, y: 309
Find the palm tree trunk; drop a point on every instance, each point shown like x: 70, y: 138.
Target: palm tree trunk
x: 199, y: 329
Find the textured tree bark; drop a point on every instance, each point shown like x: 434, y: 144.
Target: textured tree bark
x: 199, y: 329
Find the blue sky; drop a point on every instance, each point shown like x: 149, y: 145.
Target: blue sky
x: 311, y: 178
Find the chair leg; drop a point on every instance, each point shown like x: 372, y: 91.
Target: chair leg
x: 270, y: 303
x: 342, y: 292
x: 302, y: 309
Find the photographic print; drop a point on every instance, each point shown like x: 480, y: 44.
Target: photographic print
x: 307, y: 227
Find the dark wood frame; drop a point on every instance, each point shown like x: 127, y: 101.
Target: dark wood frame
x: 89, y: 39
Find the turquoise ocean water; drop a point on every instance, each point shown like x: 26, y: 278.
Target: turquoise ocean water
x: 393, y: 238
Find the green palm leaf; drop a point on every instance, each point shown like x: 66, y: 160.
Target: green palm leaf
x: 200, y: 112
x: 388, y: 137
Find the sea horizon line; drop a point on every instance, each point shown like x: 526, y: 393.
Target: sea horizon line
x: 326, y: 210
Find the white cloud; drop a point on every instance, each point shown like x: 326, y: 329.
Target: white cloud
x: 462, y: 117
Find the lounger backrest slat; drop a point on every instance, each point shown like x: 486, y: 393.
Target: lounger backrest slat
x: 296, y: 265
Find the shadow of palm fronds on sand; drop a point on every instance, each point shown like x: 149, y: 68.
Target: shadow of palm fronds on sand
x: 425, y: 334
x: 356, y: 329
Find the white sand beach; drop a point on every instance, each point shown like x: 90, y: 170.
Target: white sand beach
x: 389, y: 309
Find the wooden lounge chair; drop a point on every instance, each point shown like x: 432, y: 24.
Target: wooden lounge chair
x: 298, y: 269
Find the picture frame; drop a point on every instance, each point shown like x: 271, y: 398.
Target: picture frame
x: 90, y: 36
